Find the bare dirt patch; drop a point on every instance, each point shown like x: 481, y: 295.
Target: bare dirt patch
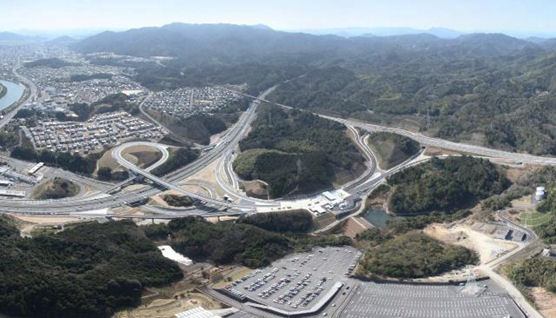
x: 46, y: 219
x: 256, y: 189
x: 433, y: 151
x: 487, y: 247
x: 545, y: 301
x: 28, y: 225
x: 169, y: 307
x: 324, y: 220
x: 216, y: 219
x: 354, y: 226
x: 207, y: 175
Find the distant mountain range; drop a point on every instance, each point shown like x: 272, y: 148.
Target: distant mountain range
x: 442, y: 33
x: 227, y: 42
x: 352, y: 32
x: 10, y: 36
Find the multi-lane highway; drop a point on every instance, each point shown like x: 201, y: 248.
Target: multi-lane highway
x: 224, y: 150
x: 229, y: 141
x: 361, y: 143
x: 117, y: 155
x: 432, y: 141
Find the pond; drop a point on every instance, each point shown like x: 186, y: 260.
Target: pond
x: 376, y: 216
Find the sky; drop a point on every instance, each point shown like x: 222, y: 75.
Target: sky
x: 536, y: 16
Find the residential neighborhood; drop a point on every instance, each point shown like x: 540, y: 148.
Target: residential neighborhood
x: 99, y: 131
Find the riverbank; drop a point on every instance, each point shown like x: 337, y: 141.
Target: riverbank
x: 13, y: 95
x: 3, y: 90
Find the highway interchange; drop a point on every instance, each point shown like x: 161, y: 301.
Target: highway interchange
x: 103, y: 200
x: 225, y: 149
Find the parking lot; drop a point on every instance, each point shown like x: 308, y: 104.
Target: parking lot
x: 316, y: 284
x: 428, y: 301
x: 300, y: 282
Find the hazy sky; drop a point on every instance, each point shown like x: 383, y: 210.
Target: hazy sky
x: 465, y: 15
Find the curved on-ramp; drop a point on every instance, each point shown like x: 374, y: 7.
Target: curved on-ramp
x: 117, y: 154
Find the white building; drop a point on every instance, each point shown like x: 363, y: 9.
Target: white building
x: 540, y: 193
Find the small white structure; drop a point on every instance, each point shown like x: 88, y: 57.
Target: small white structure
x: 168, y: 252
x: 36, y: 168
x: 539, y: 193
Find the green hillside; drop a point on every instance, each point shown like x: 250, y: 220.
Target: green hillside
x: 295, y: 152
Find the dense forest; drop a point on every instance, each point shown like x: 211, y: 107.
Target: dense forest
x: 225, y: 243
x: 503, y: 99
x: 49, y: 62
x: 87, y: 270
x: 400, y: 250
x: 295, y: 151
x: 197, y: 128
x: 177, y: 159
x: 489, y: 88
x: 110, y: 103
x: 178, y: 200
x: 299, y: 221
x: 72, y: 162
x: 445, y: 185
x: 86, y: 77
x: 413, y: 255
x: 7, y: 227
x: 534, y: 272
x: 392, y: 149
x: 547, y: 230
x: 9, y: 137
x: 237, y: 242
x: 107, y: 174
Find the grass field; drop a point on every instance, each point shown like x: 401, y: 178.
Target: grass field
x: 391, y: 149
x: 106, y: 161
x: 533, y: 218
x: 143, y: 159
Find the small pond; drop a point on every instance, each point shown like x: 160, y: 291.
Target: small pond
x: 376, y: 216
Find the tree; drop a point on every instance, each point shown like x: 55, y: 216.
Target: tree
x: 104, y: 173
x: 60, y: 116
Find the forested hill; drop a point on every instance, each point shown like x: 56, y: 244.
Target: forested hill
x: 489, y: 89
x: 87, y: 270
x: 225, y: 42
x: 237, y: 43
x: 296, y: 152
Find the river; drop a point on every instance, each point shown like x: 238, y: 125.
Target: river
x: 14, y: 93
